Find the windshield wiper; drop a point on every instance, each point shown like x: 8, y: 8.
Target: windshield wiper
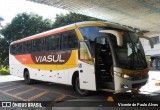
x: 139, y: 51
x: 135, y: 52
x: 132, y: 54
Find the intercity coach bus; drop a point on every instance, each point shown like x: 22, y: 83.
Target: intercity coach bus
x: 90, y: 56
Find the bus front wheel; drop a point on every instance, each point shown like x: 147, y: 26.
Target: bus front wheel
x: 77, y: 87
x: 27, y: 79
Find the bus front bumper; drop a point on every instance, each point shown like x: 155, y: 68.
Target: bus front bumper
x: 123, y: 85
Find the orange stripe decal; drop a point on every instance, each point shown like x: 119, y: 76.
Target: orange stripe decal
x: 58, y: 61
x: 40, y: 35
x: 24, y: 59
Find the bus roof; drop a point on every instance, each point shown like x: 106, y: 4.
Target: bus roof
x: 73, y: 26
x: 102, y: 23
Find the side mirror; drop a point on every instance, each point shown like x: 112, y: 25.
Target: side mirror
x: 149, y: 39
x: 115, y: 33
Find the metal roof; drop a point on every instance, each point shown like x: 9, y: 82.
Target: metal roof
x: 143, y: 14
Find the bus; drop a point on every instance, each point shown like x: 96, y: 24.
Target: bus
x: 90, y: 56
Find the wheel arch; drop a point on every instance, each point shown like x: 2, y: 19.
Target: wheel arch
x: 74, y: 76
x: 25, y: 69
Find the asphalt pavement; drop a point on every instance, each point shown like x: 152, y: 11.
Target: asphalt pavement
x: 12, y: 88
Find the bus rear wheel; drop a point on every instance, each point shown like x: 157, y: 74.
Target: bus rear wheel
x: 77, y: 87
x: 27, y: 79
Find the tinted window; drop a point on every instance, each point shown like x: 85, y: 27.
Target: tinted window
x: 64, y: 40
x: 27, y: 46
x: 38, y: 45
x: 19, y: 48
x: 131, y: 54
x: 72, y: 40
x: 52, y: 42
x: 13, y: 49
x: 69, y: 40
x: 91, y: 32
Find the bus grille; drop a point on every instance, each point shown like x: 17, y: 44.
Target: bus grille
x: 133, y: 78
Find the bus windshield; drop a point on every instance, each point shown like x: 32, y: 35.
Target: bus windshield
x: 131, y: 54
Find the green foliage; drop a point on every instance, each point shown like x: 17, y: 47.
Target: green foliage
x: 62, y: 20
x: 24, y: 25
x: 4, y: 51
x: 4, y: 71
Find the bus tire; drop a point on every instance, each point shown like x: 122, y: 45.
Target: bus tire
x: 77, y: 88
x: 27, y: 79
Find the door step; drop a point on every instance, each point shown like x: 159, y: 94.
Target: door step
x: 106, y: 85
x: 103, y: 79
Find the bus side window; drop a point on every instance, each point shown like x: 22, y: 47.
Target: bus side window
x: 33, y: 46
x: 43, y: 46
x: 13, y: 49
x: 72, y: 40
x: 84, y: 53
x: 64, y: 40
x: 19, y: 48
x: 69, y: 40
x: 27, y: 47
x: 38, y: 45
x: 57, y: 42
x: 52, y: 42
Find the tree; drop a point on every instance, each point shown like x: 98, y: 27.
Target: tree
x: 1, y: 19
x: 4, y: 51
x: 62, y: 20
x: 24, y: 25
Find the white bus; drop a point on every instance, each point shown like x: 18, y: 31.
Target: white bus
x: 90, y: 56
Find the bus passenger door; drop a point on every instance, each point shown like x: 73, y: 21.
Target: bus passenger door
x: 86, y: 68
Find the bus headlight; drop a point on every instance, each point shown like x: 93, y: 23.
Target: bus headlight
x: 126, y: 76
x: 122, y: 75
